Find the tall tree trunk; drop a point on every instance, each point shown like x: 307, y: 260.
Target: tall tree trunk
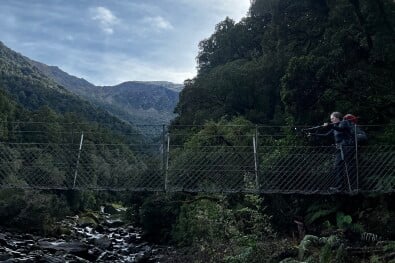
x: 383, y: 16
x: 362, y: 22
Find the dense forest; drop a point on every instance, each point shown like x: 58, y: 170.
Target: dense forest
x: 291, y: 63
x: 41, y: 125
x: 295, y: 62
x: 286, y: 63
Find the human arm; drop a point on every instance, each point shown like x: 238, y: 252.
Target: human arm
x: 329, y: 133
x: 342, y: 126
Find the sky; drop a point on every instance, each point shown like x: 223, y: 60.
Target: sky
x: 108, y: 42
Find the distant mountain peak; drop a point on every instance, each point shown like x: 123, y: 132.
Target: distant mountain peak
x: 165, y: 84
x: 141, y: 102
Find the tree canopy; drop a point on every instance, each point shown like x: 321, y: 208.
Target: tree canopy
x: 295, y: 62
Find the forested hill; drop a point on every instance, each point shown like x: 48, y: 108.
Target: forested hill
x: 295, y: 62
x: 138, y: 102
x: 25, y: 86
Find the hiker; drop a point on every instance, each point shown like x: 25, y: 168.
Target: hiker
x: 344, y: 166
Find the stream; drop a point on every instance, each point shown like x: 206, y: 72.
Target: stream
x: 108, y: 241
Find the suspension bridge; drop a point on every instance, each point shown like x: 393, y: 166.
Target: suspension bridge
x: 218, y: 159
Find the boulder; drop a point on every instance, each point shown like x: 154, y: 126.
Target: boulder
x: 103, y: 242
x: 110, y: 209
x: 88, y: 219
x: 73, y: 247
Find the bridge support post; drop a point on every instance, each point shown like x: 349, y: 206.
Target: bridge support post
x: 356, y: 157
x: 78, y: 160
x: 163, y: 152
x: 255, y: 143
x: 167, y: 161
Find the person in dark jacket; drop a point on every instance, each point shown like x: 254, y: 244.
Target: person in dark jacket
x: 344, y: 164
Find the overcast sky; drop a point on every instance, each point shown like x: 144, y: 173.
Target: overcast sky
x: 111, y: 41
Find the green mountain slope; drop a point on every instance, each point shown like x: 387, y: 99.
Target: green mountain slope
x: 41, y: 128
x: 137, y: 102
x: 32, y: 90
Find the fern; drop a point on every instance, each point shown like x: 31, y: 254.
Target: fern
x: 319, y: 210
x: 357, y: 228
x: 326, y: 254
x: 342, y: 220
x: 390, y: 247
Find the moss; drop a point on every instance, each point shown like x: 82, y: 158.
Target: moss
x: 389, y: 247
x: 88, y: 219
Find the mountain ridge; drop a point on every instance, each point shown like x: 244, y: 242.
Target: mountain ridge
x: 27, y: 86
x: 137, y: 102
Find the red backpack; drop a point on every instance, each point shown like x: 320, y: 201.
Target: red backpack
x: 356, y: 131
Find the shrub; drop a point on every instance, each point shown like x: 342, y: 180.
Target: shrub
x: 30, y: 211
x: 157, y: 215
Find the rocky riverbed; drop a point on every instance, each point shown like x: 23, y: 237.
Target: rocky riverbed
x: 100, y: 237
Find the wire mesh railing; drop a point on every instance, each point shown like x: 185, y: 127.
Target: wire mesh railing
x: 240, y: 160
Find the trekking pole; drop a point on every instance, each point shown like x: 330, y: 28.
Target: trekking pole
x: 348, y: 177
x: 311, y: 128
x: 346, y: 167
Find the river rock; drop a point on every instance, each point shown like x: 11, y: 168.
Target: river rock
x: 3, y: 240
x: 84, y: 221
x: 100, y: 229
x: 52, y: 259
x: 143, y: 247
x: 113, y: 223
x: 134, y: 238
x: 5, y: 256
x: 95, y: 252
x: 103, y: 242
x: 74, y: 247
x: 92, y: 238
x: 28, y: 237
x: 110, y: 209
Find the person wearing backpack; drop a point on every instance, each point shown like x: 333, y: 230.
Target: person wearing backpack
x: 359, y: 135
x: 344, y: 165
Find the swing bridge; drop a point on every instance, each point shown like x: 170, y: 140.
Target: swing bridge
x: 217, y: 159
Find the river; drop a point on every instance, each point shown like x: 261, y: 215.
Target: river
x: 108, y: 241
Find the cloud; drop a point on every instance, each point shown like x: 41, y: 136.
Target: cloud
x: 235, y: 9
x: 158, y: 22
x: 109, y: 68
x: 105, y: 17
x: 143, y: 40
x: 69, y: 38
x: 114, y: 68
x: 120, y: 68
